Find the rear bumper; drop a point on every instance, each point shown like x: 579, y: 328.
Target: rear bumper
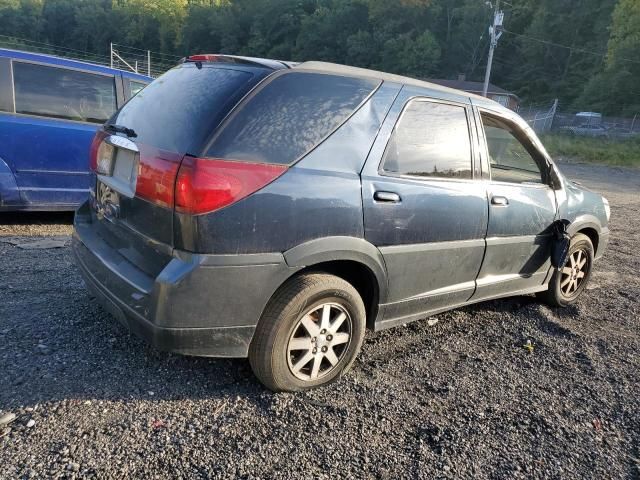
x: 204, y: 305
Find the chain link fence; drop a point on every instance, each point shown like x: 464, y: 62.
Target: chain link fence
x: 122, y: 57
x: 550, y: 119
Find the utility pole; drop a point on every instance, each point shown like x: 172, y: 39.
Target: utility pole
x: 495, y: 31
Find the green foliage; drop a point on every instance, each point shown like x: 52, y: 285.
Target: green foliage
x: 615, y: 90
x: 596, y: 150
x: 421, y: 38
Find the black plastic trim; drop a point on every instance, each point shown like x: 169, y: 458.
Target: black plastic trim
x: 341, y: 248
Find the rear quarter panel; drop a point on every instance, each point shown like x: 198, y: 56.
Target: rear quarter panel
x: 318, y: 197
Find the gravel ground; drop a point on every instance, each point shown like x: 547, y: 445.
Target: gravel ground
x: 459, y: 397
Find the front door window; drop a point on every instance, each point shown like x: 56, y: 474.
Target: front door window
x: 509, y: 159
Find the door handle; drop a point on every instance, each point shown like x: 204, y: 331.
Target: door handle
x: 499, y: 201
x: 387, y: 197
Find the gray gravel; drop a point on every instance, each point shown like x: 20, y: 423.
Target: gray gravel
x: 457, y: 398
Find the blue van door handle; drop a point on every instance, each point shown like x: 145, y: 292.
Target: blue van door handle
x: 386, y: 197
x: 500, y: 201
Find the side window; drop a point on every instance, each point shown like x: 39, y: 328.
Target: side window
x: 6, y: 87
x: 61, y: 93
x: 509, y: 159
x: 136, y: 87
x: 289, y: 116
x: 430, y: 140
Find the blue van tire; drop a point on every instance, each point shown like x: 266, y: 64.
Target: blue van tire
x: 297, y: 315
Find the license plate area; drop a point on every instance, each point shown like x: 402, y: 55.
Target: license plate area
x: 107, y: 203
x: 124, y: 169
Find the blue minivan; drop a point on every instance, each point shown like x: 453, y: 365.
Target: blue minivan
x: 50, y: 109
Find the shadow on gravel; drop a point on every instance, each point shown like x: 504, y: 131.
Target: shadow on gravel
x: 76, y: 352
x: 69, y: 348
x: 36, y: 218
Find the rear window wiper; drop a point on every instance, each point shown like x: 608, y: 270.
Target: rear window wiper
x: 129, y: 132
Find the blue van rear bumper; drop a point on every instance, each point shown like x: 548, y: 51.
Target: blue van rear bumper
x: 197, y: 305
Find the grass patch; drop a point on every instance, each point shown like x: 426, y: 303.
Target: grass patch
x: 595, y: 150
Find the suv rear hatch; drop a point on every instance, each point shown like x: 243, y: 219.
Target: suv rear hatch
x: 137, y: 156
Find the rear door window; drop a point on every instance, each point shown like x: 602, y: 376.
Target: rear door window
x: 179, y: 110
x: 289, y: 116
x: 430, y: 140
x: 62, y: 93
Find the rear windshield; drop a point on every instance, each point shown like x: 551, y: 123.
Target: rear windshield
x: 180, y: 109
x: 289, y: 116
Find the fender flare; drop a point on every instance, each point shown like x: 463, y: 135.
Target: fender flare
x: 338, y: 248
x: 584, y: 221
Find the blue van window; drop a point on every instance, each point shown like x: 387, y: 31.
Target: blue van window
x: 62, y: 93
x: 6, y: 87
x: 289, y: 116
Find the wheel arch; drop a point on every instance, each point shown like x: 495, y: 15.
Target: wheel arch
x: 593, y: 235
x: 353, y: 259
x: 588, y: 225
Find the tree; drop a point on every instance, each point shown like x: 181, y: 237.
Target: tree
x: 616, y: 90
x: 555, y: 51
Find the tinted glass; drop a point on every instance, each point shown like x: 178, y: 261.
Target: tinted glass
x: 180, y: 109
x: 136, y: 87
x: 6, y: 87
x: 430, y: 140
x: 289, y: 116
x: 61, y: 93
x: 509, y: 160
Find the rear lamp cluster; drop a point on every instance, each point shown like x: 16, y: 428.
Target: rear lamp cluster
x: 191, y: 185
x: 207, y: 184
x: 102, y: 154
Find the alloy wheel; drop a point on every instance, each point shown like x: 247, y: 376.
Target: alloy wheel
x: 574, y: 272
x: 319, y: 341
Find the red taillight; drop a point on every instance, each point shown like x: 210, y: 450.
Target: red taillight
x: 157, y: 176
x: 93, y: 150
x: 204, y: 184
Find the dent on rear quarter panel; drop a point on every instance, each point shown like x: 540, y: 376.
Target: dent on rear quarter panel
x: 317, y: 197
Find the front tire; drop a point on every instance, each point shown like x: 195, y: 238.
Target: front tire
x: 309, y: 334
x: 568, y: 283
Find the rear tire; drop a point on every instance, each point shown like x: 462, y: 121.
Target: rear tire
x: 309, y: 334
x: 568, y: 283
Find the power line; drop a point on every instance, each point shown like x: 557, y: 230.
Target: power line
x: 17, y: 41
x: 144, y: 52
x: 575, y: 49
